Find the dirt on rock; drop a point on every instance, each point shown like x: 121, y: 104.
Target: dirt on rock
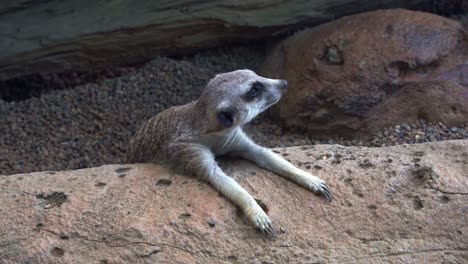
x: 361, y: 73
x: 402, y: 204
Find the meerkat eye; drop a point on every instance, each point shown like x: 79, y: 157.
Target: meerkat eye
x: 254, y: 91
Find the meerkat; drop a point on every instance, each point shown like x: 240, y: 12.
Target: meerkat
x: 187, y: 138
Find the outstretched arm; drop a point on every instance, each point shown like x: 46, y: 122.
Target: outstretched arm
x: 198, y: 160
x: 244, y: 147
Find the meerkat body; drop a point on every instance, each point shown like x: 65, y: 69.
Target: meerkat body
x: 187, y: 139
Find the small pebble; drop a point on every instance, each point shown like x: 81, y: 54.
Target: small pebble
x: 212, y: 222
x: 405, y: 126
x: 49, y: 206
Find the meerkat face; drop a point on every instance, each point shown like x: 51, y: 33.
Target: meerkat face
x: 237, y: 97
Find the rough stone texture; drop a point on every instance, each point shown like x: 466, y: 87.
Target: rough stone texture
x: 361, y: 73
x: 46, y: 36
x: 404, y: 204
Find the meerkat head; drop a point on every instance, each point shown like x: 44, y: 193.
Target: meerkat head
x: 234, y: 98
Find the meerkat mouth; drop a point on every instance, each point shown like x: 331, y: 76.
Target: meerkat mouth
x: 270, y: 104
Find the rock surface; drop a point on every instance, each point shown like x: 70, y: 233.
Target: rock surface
x: 404, y: 204
x: 361, y: 73
x: 48, y: 36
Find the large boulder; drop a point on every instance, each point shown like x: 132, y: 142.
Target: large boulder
x: 404, y: 204
x: 361, y: 73
x: 51, y: 36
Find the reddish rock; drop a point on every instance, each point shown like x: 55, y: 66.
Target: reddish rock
x: 361, y: 73
x: 404, y: 204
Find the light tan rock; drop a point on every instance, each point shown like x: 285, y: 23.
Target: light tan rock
x: 404, y: 204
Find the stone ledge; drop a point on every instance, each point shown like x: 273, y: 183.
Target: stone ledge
x: 403, y: 204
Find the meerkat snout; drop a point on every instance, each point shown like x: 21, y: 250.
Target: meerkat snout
x: 283, y: 85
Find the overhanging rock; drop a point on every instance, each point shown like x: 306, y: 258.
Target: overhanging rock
x: 53, y: 36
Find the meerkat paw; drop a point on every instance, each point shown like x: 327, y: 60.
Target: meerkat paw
x: 261, y: 221
x: 263, y: 224
x: 319, y: 187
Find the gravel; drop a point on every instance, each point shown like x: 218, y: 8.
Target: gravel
x: 91, y: 124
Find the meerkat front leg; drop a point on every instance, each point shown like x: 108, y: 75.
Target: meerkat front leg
x: 239, y: 196
x: 200, y: 161
x: 267, y: 159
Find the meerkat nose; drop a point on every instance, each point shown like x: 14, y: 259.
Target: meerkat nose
x: 283, y: 85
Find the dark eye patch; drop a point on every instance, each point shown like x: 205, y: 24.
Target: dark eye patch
x: 254, y: 92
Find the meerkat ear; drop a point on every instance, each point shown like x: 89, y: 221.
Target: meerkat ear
x: 225, y: 117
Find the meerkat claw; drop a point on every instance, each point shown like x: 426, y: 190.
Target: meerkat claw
x: 267, y: 231
x: 325, y: 192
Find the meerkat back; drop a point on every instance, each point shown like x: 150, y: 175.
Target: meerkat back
x: 151, y: 142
